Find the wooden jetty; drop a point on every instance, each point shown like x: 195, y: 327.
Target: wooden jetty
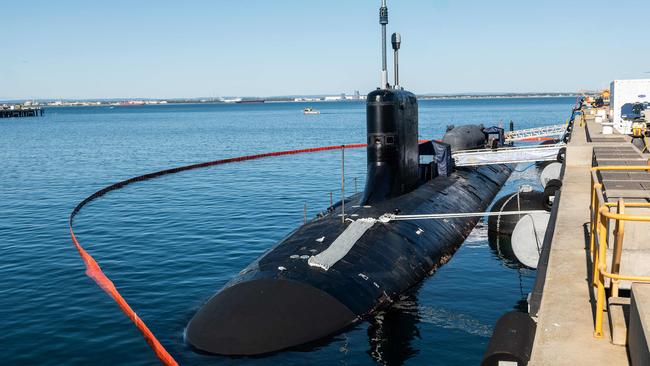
x: 21, y: 112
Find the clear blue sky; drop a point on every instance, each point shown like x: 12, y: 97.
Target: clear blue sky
x: 100, y: 49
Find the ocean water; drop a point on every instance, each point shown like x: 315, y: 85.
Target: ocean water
x: 170, y: 243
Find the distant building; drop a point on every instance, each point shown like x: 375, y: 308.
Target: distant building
x: 232, y: 100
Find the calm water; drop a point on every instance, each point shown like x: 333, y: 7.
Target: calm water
x: 170, y: 243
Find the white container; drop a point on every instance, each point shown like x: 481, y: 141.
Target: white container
x: 601, y: 113
x: 607, y: 129
x: 623, y: 93
x: 598, y: 119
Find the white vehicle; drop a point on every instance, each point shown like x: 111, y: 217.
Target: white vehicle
x: 624, y: 94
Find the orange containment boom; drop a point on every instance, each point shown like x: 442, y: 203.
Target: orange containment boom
x: 95, y: 272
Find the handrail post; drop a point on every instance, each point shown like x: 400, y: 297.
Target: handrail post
x: 600, y: 296
x: 618, y: 246
x: 596, y: 249
x: 594, y: 212
x: 591, y: 214
x: 601, y: 230
x: 600, y: 300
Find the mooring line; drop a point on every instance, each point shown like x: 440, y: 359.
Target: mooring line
x: 93, y: 269
x: 392, y: 217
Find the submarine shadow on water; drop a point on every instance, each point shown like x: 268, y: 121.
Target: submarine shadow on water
x: 303, y: 348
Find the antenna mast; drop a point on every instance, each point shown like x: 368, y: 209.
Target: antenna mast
x: 396, y: 39
x: 383, y: 20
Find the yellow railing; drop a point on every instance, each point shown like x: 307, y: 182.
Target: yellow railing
x: 599, y: 237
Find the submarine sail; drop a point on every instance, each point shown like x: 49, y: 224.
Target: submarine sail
x: 330, y: 273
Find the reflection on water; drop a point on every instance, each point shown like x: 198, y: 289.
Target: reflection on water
x: 392, y: 332
x: 476, y: 239
x: 502, y: 248
x: 447, y: 319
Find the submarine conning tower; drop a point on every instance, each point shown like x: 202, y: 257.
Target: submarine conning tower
x: 393, y: 158
x: 392, y: 132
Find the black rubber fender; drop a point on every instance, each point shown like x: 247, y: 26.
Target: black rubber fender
x: 552, y: 186
x: 504, y: 225
x: 511, y: 341
x: 561, y: 155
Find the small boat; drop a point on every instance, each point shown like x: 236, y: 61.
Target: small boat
x: 310, y: 110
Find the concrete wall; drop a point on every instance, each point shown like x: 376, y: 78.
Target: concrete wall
x: 639, y: 327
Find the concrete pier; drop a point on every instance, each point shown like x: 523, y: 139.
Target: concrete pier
x: 566, y: 315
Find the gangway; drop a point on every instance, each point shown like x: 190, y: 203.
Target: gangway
x: 508, y: 155
x: 544, y: 131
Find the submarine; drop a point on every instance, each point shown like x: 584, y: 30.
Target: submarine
x: 347, y: 263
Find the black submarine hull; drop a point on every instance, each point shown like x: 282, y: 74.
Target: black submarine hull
x: 280, y: 301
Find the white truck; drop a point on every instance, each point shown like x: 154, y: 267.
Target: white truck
x: 623, y: 95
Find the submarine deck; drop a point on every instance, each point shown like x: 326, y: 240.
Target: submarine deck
x: 566, y: 315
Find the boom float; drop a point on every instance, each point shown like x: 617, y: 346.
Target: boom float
x: 347, y: 263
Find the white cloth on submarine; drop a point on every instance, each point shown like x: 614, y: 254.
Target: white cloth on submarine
x: 507, y: 155
x: 341, y: 245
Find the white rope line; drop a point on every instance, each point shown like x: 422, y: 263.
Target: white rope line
x: 392, y: 217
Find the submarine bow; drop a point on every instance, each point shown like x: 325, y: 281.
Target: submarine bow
x: 265, y: 315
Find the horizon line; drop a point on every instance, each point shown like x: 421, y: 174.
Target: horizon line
x: 5, y: 99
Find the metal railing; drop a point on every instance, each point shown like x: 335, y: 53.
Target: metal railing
x: 508, y: 155
x: 544, y: 131
x: 599, y: 239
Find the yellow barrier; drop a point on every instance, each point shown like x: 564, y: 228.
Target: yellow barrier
x: 599, y: 237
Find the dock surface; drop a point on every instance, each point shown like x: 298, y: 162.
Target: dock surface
x: 565, y: 323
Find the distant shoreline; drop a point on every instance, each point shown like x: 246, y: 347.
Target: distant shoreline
x: 245, y: 101
x: 515, y: 96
